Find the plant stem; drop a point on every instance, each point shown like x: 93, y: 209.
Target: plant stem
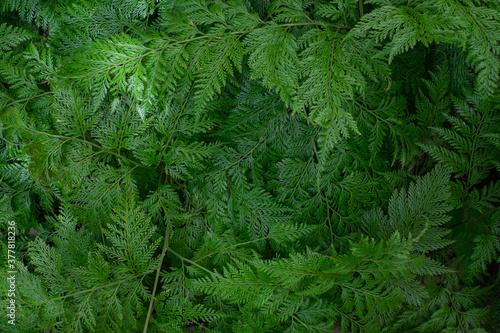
x: 12, y: 143
x: 476, y: 218
x: 151, y: 303
x: 28, y: 98
x: 98, y: 147
x: 191, y: 262
x: 88, y: 290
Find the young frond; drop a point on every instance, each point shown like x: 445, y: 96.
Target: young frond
x: 11, y: 36
x: 131, y: 237
x: 273, y: 58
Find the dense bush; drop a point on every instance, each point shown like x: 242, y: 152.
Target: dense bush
x: 251, y: 165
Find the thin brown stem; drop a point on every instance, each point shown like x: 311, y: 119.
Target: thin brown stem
x: 12, y: 143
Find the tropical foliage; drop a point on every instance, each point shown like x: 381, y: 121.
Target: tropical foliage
x: 251, y: 165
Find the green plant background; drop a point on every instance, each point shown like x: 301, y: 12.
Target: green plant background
x: 251, y: 166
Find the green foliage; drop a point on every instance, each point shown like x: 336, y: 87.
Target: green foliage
x: 82, y: 286
x: 251, y: 166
